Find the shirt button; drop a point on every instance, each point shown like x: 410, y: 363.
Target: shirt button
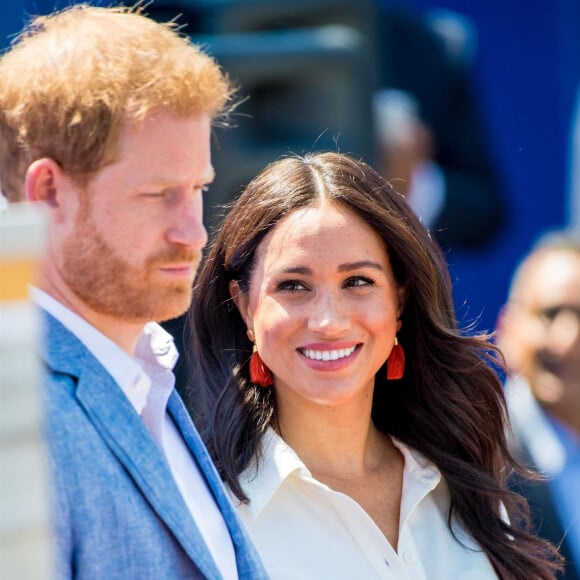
x: 408, y: 558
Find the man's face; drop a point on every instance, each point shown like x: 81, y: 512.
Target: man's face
x: 135, y: 244
x: 542, y: 329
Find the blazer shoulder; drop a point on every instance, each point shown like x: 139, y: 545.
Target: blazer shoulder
x: 61, y: 350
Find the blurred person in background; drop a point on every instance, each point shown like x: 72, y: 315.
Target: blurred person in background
x: 105, y: 120
x: 430, y: 130
x: 539, y: 334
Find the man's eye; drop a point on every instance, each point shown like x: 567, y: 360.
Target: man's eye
x: 550, y: 313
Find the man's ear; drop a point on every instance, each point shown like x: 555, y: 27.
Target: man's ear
x: 46, y: 182
x: 502, y: 325
x: 507, y: 338
x: 242, y: 301
x: 41, y: 181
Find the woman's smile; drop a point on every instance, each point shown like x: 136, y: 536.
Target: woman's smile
x: 325, y: 358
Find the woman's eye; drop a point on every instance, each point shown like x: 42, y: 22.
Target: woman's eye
x: 291, y: 286
x: 358, y: 282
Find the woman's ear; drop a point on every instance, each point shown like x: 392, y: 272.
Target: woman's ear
x: 242, y: 301
x: 402, y: 300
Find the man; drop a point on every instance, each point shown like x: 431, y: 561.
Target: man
x: 105, y: 119
x: 539, y: 333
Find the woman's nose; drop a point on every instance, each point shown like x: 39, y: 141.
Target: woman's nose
x: 329, y: 315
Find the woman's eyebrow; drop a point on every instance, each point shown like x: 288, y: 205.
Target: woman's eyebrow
x: 305, y: 270
x: 361, y: 264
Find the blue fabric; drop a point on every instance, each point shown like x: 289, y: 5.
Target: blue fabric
x: 566, y: 487
x: 118, y: 512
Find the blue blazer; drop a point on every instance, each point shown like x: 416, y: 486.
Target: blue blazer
x: 545, y: 517
x: 118, y: 511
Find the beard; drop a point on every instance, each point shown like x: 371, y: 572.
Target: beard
x: 110, y: 285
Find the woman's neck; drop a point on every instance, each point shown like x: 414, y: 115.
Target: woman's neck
x: 334, y: 441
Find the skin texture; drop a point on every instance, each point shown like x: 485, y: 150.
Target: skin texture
x: 125, y: 249
x: 539, y: 331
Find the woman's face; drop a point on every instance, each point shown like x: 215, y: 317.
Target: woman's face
x: 323, y: 304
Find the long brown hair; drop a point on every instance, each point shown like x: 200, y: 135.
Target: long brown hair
x: 449, y: 405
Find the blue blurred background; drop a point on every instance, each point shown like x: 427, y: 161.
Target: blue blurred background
x: 526, y: 73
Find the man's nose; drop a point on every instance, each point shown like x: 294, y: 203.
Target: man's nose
x: 186, y: 228
x: 564, y: 336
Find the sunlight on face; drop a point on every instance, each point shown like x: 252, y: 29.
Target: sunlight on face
x: 324, y: 304
x: 550, y: 341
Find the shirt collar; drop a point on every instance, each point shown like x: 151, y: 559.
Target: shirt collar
x: 420, y: 476
x: 262, y: 479
x: 155, y: 352
x: 278, y: 462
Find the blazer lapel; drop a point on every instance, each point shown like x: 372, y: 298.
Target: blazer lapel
x: 127, y: 437
x: 249, y: 563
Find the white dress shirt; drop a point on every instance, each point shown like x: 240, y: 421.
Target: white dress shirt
x: 148, y: 381
x: 305, y: 530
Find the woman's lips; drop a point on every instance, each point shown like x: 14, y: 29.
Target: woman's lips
x: 329, y: 356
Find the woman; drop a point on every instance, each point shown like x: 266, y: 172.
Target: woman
x: 346, y: 461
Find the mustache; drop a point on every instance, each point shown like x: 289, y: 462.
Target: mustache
x: 175, y: 254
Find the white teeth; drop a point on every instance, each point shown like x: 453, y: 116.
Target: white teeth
x: 328, y: 354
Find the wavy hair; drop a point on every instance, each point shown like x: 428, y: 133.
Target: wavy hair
x: 449, y: 405
x: 73, y: 77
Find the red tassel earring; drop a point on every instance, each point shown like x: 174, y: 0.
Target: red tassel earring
x: 260, y: 374
x: 396, y: 362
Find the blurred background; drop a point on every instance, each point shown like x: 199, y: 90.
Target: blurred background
x: 467, y: 106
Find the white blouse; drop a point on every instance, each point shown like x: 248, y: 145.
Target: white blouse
x: 305, y: 530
